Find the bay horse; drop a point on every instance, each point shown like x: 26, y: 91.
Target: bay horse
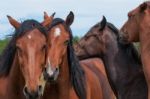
x: 136, y: 29
x: 70, y: 78
x: 23, y: 60
x: 121, y: 61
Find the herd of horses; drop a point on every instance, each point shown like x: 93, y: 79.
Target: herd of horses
x: 41, y: 61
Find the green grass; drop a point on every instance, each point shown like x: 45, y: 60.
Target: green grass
x: 3, y: 43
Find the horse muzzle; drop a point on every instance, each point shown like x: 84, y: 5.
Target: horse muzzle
x: 33, y: 94
x: 123, y: 38
x: 51, y: 75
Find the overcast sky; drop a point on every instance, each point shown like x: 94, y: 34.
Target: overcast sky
x: 87, y: 12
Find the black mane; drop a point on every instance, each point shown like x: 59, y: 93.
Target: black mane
x: 129, y: 49
x: 76, y: 71
x: 55, y: 21
x: 114, y: 29
x: 8, y: 54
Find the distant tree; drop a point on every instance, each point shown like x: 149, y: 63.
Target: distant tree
x: 3, y: 43
x: 76, y: 39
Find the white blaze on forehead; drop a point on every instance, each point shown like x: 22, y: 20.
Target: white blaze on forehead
x: 57, y: 32
x: 29, y: 36
x: 49, y: 68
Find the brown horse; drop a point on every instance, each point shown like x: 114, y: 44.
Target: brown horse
x: 122, y: 63
x: 23, y: 60
x: 137, y: 29
x: 70, y: 78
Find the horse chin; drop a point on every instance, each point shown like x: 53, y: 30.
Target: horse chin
x: 123, y: 41
x: 32, y: 95
x: 123, y: 38
x: 28, y: 97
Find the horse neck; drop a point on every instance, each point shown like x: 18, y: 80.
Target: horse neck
x: 64, y: 82
x: 16, y: 81
x: 145, y: 43
x: 60, y: 90
x: 119, y: 68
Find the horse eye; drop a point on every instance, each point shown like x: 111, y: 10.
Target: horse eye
x: 86, y: 38
x: 66, y: 42
x: 18, y: 49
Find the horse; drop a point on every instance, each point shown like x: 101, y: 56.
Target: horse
x: 23, y: 60
x: 136, y: 29
x: 121, y: 61
x: 69, y: 77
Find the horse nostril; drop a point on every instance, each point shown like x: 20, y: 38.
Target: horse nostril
x: 25, y: 91
x: 33, y: 95
x: 46, y: 75
x: 40, y: 89
x: 56, y: 69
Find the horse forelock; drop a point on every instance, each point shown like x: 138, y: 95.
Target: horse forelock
x: 29, y: 25
x: 55, y: 22
x: 58, y: 21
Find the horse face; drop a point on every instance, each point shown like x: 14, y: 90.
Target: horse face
x: 57, y: 48
x: 31, y: 51
x: 89, y: 45
x: 92, y: 44
x: 137, y: 19
x: 58, y: 39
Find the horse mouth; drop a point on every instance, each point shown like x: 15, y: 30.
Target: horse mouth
x: 123, y: 41
x: 123, y: 38
x: 28, y: 95
x: 53, y: 77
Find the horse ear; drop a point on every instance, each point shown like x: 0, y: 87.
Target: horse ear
x: 45, y: 15
x: 70, y: 18
x: 103, y: 23
x: 47, y: 19
x: 143, y: 6
x: 13, y: 22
